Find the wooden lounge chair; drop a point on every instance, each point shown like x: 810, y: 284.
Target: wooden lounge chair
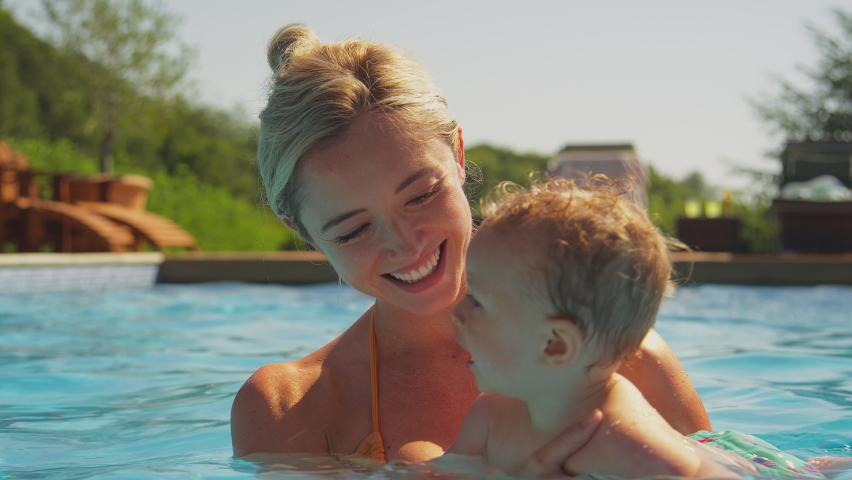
x: 87, y: 214
x: 158, y: 231
x: 122, y: 200
x: 33, y: 223
x: 85, y: 231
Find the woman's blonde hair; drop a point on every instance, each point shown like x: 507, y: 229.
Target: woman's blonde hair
x: 318, y: 90
x: 603, y: 263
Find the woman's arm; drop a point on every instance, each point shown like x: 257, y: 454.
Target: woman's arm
x: 658, y: 374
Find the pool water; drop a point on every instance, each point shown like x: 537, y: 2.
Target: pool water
x: 139, y: 383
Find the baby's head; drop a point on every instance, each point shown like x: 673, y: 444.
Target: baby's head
x: 561, y: 256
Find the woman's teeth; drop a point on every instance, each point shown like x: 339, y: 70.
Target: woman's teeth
x: 421, y: 272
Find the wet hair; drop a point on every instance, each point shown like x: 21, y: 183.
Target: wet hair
x: 602, y: 264
x: 318, y: 90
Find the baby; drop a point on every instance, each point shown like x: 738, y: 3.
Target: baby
x: 563, y: 283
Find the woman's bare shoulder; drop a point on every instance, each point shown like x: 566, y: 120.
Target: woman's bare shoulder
x: 269, y: 415
x: 657, y: 373
x: 633, y: 440
x: 278, y: 385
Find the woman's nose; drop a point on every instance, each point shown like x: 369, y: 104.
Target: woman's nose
x: 402, y: 239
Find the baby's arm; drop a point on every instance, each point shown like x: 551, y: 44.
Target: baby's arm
x: 467, y: 453
x: 635, y: 441
x: 472, y: 439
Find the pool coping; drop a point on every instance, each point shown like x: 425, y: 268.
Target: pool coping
x: 298, y: 268
x: 764, y: 269
x: 45, y: 259
x: 309, y: 267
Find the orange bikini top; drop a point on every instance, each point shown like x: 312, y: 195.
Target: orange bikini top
x: 373, y: 448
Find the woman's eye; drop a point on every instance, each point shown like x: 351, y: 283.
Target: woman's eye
x: 420, y: 199
x: 352, y: 235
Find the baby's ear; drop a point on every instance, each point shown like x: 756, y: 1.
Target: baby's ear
x: 564, y: 342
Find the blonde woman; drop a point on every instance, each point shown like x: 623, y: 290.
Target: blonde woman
x: 359, y: 154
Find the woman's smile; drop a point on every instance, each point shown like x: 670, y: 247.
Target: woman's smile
x: 421, y: 269
x: 433, y: 268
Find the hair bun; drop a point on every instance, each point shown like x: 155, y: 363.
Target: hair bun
x: 286, y: 41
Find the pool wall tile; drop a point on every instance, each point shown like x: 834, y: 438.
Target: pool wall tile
x: 33, y: 273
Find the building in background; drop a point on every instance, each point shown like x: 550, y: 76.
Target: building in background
x: 616, y: 161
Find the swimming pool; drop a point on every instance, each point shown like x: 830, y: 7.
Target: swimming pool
x: 139, y: 383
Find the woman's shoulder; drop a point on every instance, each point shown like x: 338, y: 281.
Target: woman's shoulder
x: 280, y: 384
x: 268, y: 409
x: 633, y: 439
x: 656, y: 372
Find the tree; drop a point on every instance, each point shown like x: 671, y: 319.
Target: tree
x: 134, y: 40
x: 492, y: 165
x: 825, y: 111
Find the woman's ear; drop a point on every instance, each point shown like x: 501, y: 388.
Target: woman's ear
x: 564, y: 342
x: 289, y: 223
x: 293, y: 227
x: 461, y: 159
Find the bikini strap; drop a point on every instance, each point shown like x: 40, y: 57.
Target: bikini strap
x: 374, y: 377
x: 372, y: 449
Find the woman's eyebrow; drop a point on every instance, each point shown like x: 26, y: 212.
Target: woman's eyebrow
x: 413, y: 178
x: 341, y: 218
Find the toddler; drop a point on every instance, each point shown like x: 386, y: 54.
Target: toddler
x: 563, y: 283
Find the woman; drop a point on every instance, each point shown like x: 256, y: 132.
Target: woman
x: 359, y: 154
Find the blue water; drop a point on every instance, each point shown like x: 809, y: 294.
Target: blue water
x: 139, y: 384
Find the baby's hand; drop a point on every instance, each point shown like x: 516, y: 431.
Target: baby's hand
x: 549, y: 461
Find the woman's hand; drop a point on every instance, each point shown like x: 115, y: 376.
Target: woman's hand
x: 549, y: 461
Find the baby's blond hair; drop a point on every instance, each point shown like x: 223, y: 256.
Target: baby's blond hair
x: 605, y: 265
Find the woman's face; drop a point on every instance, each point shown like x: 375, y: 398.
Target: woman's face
x: 386, y: 206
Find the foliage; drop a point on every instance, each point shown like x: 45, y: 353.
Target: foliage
x: 134, y: 41
x: 217, y: 220
x: 491, y: 165
x: 667, y: 197
x: 759, y: 228
x: 55, y: 157
x: 43, y: 93
x: 824, y: 111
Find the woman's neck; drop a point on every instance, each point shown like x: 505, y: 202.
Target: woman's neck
x: 400, y: 331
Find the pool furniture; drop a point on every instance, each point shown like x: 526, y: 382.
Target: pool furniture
x: 122, y: 200
x: 703, y: 234
x: 813, y: 225
x: 99, y: 213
